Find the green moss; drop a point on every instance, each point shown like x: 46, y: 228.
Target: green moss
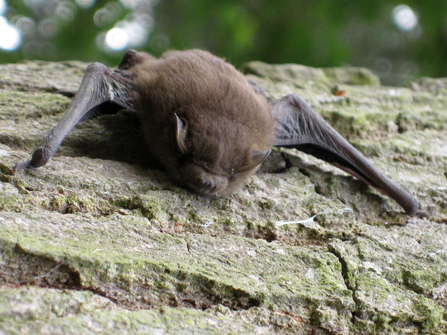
x: 71, y: 312
x: 226, y: 221
x: 422, y: 280
x: 152, y: 206
x: 125, y: 203
x: 35, y: 105
x: 8, y: 196
x: 351, y: 123
x: 427, y: 312
x: 73, y: 204
x: 7, y: 203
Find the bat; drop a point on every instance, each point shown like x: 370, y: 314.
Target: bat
x: 208, y: 126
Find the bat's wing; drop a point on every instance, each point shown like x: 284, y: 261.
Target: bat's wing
x: 298, y: 126
x: 101, y: 92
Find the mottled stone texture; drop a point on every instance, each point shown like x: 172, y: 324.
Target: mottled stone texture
x: 100, y: 241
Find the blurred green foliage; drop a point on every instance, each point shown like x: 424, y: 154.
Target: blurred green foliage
x: 316, y: 33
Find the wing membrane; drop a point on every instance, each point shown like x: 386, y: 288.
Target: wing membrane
x: 299, y: 127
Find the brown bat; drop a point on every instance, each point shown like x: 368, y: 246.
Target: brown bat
x: 207, y: 125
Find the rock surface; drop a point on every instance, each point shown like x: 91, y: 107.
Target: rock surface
x: 100, y: 241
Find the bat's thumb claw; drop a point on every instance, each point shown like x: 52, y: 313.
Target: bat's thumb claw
x: 21, y: 165
x: 40, y: 157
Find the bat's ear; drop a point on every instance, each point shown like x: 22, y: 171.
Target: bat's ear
x: 257, y: 157
x: 131, y: 58
x: 181, y: 130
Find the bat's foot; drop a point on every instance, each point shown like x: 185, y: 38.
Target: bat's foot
x: 407, y: 217
x: 421, y: 215
x: 414, y: 215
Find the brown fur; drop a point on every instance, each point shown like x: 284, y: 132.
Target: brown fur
x: 227, y: 124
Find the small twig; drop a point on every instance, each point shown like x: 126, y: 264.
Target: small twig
x: 94, y: 251
x: 42, y: 276
x: 305, y: 222
x: 207, y: 224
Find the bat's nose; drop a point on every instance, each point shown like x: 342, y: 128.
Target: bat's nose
x: 203, y: 182
x: 207, y: 183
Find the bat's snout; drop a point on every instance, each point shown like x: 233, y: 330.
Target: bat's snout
x: 205, y: 183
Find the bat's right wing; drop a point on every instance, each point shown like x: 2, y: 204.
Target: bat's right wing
x: 101, y: 92
x: 298, y: 126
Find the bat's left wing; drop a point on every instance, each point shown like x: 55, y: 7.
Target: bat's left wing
x: 299, y: 127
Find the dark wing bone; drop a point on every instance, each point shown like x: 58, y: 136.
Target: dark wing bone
x: 101, y: 92
x: 298, y: 126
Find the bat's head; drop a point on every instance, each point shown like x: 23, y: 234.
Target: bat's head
x: 202, y: 120
x: 215, y: 165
